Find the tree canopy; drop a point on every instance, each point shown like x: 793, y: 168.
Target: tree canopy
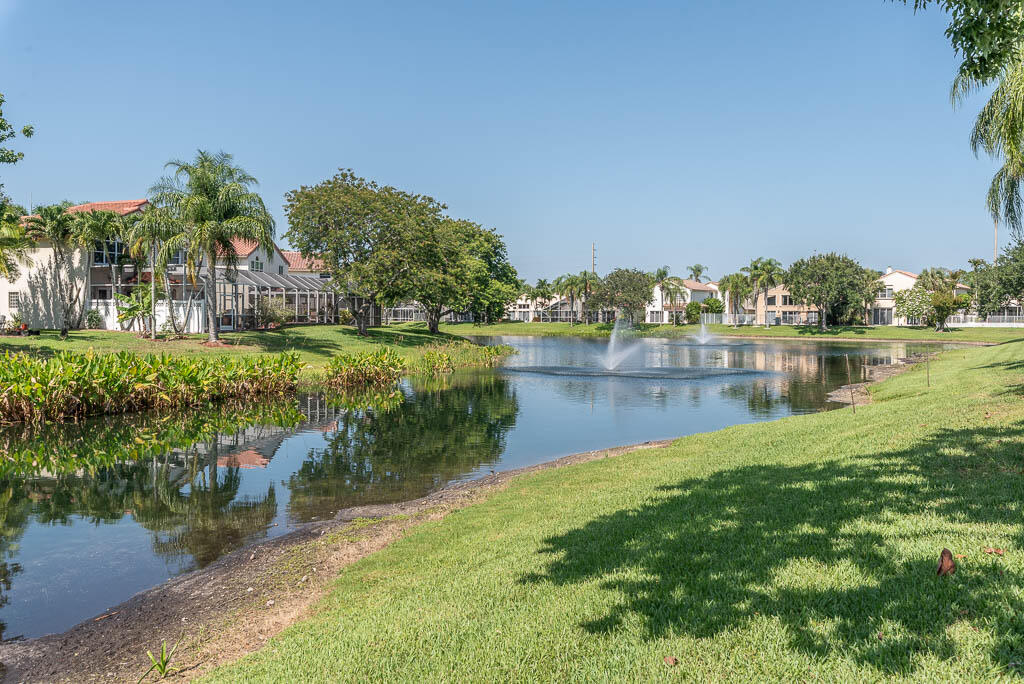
x: 833, y: 283
x: 628, y: 289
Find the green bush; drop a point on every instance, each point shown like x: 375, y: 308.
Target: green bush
x: 379, y: 368
x: 345, y: 317
x: 713, y: 306
x: 70, y: 386
x: 271, y: 313
x: 693, y: 311
x: 93, y: 319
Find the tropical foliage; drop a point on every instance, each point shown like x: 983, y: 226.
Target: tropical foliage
x: 833, y: 283
x: 69, y: 386
x: 379, y: 368
x: 628, y: 290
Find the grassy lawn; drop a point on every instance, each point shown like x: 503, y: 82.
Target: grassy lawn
x: 885, y: 332
x: 800, y: 549
x: 316, y: 344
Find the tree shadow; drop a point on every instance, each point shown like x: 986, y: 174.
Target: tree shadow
x: 812, y: 545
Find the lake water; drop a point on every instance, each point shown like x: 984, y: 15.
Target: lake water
x: 92, y: 514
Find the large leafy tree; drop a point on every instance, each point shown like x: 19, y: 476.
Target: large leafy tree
x: 986, y: 294
x: 365, y: 235
x: 54, y: 225
x: 830, y: 282
x: 764, y: 274
x: 213, y: 201
x: 941, y: 283
x: 8, y: 132
x: 628, y: 290
x: 462, y: 266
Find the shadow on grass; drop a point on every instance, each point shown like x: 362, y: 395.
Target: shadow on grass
x: 818, y: 547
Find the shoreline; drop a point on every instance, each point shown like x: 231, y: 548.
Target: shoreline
x: 232, y: 606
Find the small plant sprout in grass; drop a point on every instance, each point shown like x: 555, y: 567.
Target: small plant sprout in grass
x: 162, y: 663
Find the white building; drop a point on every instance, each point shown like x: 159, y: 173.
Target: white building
x: 661, y: 308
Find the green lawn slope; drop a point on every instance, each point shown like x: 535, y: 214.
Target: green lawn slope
x: 800, y: 549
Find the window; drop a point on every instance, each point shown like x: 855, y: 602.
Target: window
x: 786, y: 300
x: 881, y: 316
x: 885, y: 292
x: 177, y: 259
x: 812, y: 317
x: 771, y: 301
x: 13, y: 300
x: 280, y: 270
x: 256, y: 266
x: 107, y: 253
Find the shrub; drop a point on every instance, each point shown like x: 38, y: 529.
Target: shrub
x: 713, y: 306
x: 345, y: 317
x: 379, y: 368
x: 437, y: 362
x: 70, y: 386
x: 269, y: 312
x: 93, y: 320
x: 693, y: 310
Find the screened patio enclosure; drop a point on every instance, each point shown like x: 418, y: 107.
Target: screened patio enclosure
x: 305, y: 296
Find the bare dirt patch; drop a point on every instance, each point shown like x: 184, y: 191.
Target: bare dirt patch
x: 233, y: 606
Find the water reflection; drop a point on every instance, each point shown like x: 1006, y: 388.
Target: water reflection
x: 93, y: 513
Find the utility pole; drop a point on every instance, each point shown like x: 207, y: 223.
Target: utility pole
x: 593, y: 258
x: 995, y: 241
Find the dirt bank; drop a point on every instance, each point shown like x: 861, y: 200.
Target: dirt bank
x: 233, y: 606
x: 858, y: 393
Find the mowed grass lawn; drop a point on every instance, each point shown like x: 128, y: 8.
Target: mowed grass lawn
x: 883, y: 332
x: 315, y: 344
x: 799, y: 549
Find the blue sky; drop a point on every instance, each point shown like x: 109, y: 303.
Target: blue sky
x: 667, y: 133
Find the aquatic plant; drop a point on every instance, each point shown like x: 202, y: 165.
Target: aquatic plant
x: 447, y: 356
x: 70, y: 386
x: 379, y: 368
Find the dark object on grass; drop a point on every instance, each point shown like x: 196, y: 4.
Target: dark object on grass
x: 946, y: 564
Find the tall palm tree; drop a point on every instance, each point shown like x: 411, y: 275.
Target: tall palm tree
x: 738, y: 287
x: 92, y: 228
x: 673, y: 291
x: 144, y: 239
x: 14, y: 243
x: 541, y: 292
x: 211, y: 198
x: 697, y: 271
x: 54, y: 225
x: 588, y: 283
x: 999, y: 132
x: 764, y: 273
x: 570, y: 286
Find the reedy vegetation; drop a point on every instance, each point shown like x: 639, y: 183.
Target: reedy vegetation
x: 70, y: 386
x: 381, y: 368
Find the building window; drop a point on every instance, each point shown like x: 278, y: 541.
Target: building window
x: 177, y: 259
x: 771, y: 301
x: 13, y: 299
x: 256, y: 266
x: 280, y: 270
x: 885, y: 292
x: 786, y: 300
x: 107, y: 253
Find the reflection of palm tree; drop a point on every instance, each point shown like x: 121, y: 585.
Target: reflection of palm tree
x: 381, y: 457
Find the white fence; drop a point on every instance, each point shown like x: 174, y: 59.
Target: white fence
x: 727, y: 319
x: 107, y: 309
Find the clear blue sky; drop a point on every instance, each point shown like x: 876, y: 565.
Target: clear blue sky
x: 668, y: 133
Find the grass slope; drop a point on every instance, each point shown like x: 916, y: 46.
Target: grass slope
x: 798, y: 549
x: 884, y: 332
x: 315, y: 344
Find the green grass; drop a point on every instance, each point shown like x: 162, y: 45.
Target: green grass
x: 883, y: 332
x: 315, y: 344
x: 799, y: 549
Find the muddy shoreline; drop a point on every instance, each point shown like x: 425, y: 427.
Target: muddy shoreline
x: 858, y: 394
x: 231, y: 607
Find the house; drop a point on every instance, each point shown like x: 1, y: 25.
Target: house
x: 662, y: 307
x: 100, y: 274
x: 894, y: 280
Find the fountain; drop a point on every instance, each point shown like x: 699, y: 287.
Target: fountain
x: 613, y: 356
x: 703, y: 337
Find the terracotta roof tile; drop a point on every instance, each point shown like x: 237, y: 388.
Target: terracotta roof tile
x: 697, y: 285
x: 297, y: 262
x: 123, y: 207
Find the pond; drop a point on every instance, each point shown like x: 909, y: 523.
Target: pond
x: 94, y: 513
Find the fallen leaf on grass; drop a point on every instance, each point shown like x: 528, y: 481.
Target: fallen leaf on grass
x: 960, y: 555
x: 998, y: 552
x: 671, y: 661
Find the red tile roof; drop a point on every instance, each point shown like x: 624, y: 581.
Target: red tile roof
x: 123, y: 207
x: 697, y: 285
x: 243, y: 248
x: 297, y: 262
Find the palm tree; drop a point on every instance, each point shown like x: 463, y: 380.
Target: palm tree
x: 570, y: 286
x: 57, y: 227
x: 91, y: 228
x: 673, y: 291
x: 14, y: 244
x: 999, y: 131
x: 764, y: 274
x: 541, y: 292
x: 143, y: 238
x: 211, y: 198
x: 588, y: 283
x: 696, y: 271
x: 738, y: 287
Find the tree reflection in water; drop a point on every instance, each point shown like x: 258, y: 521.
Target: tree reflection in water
x: 442, y: 429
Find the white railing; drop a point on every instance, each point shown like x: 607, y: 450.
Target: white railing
x: 727, y: 319
x: 107, y: 309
